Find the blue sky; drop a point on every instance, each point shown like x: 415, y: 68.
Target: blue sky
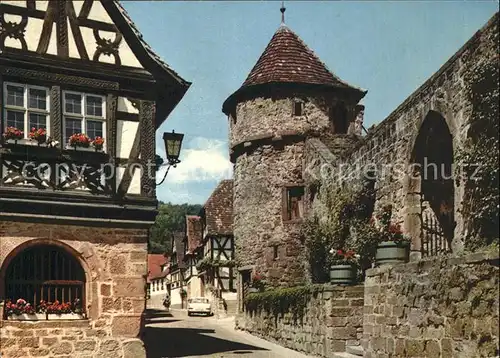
x: 386, y: 47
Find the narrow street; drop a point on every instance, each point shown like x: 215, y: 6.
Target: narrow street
x: 177, y: 335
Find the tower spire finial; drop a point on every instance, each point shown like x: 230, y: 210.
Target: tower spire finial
x: 283, y: 9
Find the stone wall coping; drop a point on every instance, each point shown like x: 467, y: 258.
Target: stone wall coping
x: 77, y: 323
x: 470, y: 258
x: 327, y: 287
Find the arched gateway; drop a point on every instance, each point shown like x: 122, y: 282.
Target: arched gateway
x: 431, y: 187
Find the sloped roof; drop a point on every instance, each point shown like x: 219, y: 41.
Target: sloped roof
x: 172, y: 93
x: 148, y: 50
x: 218, y: 210
x: 194, y: 233
x: 155, y: 261
x: 287, y: 59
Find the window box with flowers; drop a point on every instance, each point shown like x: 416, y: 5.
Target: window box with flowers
x: 61, y: 310
x: 22, y: 311
x: 38, y: 136
x: 12, y: 135
x: 394, y: 245
x: 343, y: 267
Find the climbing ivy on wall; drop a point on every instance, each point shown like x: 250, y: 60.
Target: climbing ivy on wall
x: 340, y: 220
x: 282, y: 300
x: 479, y: 159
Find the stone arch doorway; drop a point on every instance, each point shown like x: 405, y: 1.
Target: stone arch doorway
x: 431, y: 188
x: 43, y: 271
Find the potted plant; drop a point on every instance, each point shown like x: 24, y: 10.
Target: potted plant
x: 98, y: 143
x: 22, y: 311
x: 343, y: 267
x: 13, y: 134
x: 79, y: 140
x: 258, y: 283
x: 39, y: 135
x: 394, y: 245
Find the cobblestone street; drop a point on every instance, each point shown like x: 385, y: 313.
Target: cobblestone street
x: 177, y: 335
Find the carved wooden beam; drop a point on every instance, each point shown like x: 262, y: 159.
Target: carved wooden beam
x: 56, y: 115
x: 147, y: 132
x: 59, y: 78
x: 111, y: 106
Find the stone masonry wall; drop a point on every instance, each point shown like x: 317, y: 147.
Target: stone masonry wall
x: 258, y: 226
x: 114, y: 261
x: 438, y: 307
x: 390, y: 144
x: 332, y: 320
x: 266, y: 116
x: 268, y: 148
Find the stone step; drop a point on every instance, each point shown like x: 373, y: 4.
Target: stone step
x: 344, y: 355
x: 355, y: 350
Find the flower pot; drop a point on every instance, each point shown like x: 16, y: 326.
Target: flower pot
x: 253, y: 290
x: 66, y: 316
x: 41, y: 140
x: 390, y: 252
x: 343, y: 274
x: 27, y: 317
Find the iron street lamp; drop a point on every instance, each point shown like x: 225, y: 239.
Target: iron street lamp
x: 173, y: 143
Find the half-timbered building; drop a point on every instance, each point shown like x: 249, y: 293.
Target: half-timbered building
x: 192, y: 246
x: 176, y: 271
x: 82, y: 95
x: 217, y: 264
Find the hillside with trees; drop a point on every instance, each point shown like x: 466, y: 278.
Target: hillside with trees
x: 169, y: 220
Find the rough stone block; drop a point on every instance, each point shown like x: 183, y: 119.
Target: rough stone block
x: 126, y: 326
x: 129, y: 287
x: 87, y: 345
x: 415, y: 348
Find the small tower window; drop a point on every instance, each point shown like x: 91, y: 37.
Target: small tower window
x: 275, y: 252
x: 298, y: 108
x: 293, y: 203
x: 232, y: 116
x: 339, y: 119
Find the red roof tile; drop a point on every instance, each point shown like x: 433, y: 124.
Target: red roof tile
x: 287, y: 59
x: 155, y: 261
x: 219, y: 210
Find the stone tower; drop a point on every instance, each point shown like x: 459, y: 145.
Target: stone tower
x: 288, y: 96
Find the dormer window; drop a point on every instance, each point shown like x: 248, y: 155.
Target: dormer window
x: 26, y: 107
x: 84, y: 113
x: 298, y: 108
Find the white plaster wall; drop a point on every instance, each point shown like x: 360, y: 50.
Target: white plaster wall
x: 97, y: 12
x: 135, y: 183
x: 124, y: 105
x: 125, y: 135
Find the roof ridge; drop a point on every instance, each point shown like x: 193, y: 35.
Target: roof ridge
x: 313, y: 53
x: 288, y: 59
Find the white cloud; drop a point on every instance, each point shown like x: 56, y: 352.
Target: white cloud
x: 203, y: 159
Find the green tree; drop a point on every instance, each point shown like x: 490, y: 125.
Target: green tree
x: 170, y: 219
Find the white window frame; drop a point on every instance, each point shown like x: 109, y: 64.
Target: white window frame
x: 84, y: 116
x: 26, y: 109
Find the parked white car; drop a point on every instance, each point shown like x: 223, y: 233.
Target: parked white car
x: 199, y: 305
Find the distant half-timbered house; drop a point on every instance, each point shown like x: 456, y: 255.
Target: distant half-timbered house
x: 217, y: 266
x: 192, y: 246
x: 175, y: 278
x: 82, y: 95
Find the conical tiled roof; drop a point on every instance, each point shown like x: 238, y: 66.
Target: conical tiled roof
x: 287, y: 59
